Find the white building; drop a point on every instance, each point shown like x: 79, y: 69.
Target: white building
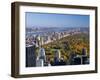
x: 39, y: 63
x: 41, y: 53
x: 41, y: 58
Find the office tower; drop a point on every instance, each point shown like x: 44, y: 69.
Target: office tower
x: 39, y: 63
x: 41, y: 54
x: 57, y: 55
x: 41, y: 58
x: 83, y: 51
x: 30, y: 56
x: 81, y: 59
x: 85, y: 59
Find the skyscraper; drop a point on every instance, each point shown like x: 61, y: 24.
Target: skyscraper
x: 41, y: 58
x: 57, y: 54
x: 42, y: 54
x: 30, y: 56
x: 83, y: 51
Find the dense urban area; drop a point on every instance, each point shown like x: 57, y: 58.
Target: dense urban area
x: 51, y: 46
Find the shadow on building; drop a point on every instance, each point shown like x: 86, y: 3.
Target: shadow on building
x: 30, y: 56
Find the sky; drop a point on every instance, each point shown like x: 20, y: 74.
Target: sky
x: 33, y: 19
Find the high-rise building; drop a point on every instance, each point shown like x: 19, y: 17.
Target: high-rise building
x: 85, y: 60
x: 39, y: 63
x: 41, y: 54
x: 81, y: 59
x: 57, y: 55
x: 30, y: 56
x: 83, y: 51
x: 41, y: 58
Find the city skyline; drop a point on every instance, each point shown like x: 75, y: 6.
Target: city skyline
x: 55, y: 20
x: 49, y: 42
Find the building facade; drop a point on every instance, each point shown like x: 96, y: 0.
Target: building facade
x: 30, y: 56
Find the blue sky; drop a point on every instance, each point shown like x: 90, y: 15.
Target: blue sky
x: 55, y: 20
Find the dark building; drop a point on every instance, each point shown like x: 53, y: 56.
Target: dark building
x: 77, y: 60
x: 71, y: 58
x: 83, y: 51
x: 81, y: 60
x: 85, y: 60
x: 58, y: 63
x: 30, y: 56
